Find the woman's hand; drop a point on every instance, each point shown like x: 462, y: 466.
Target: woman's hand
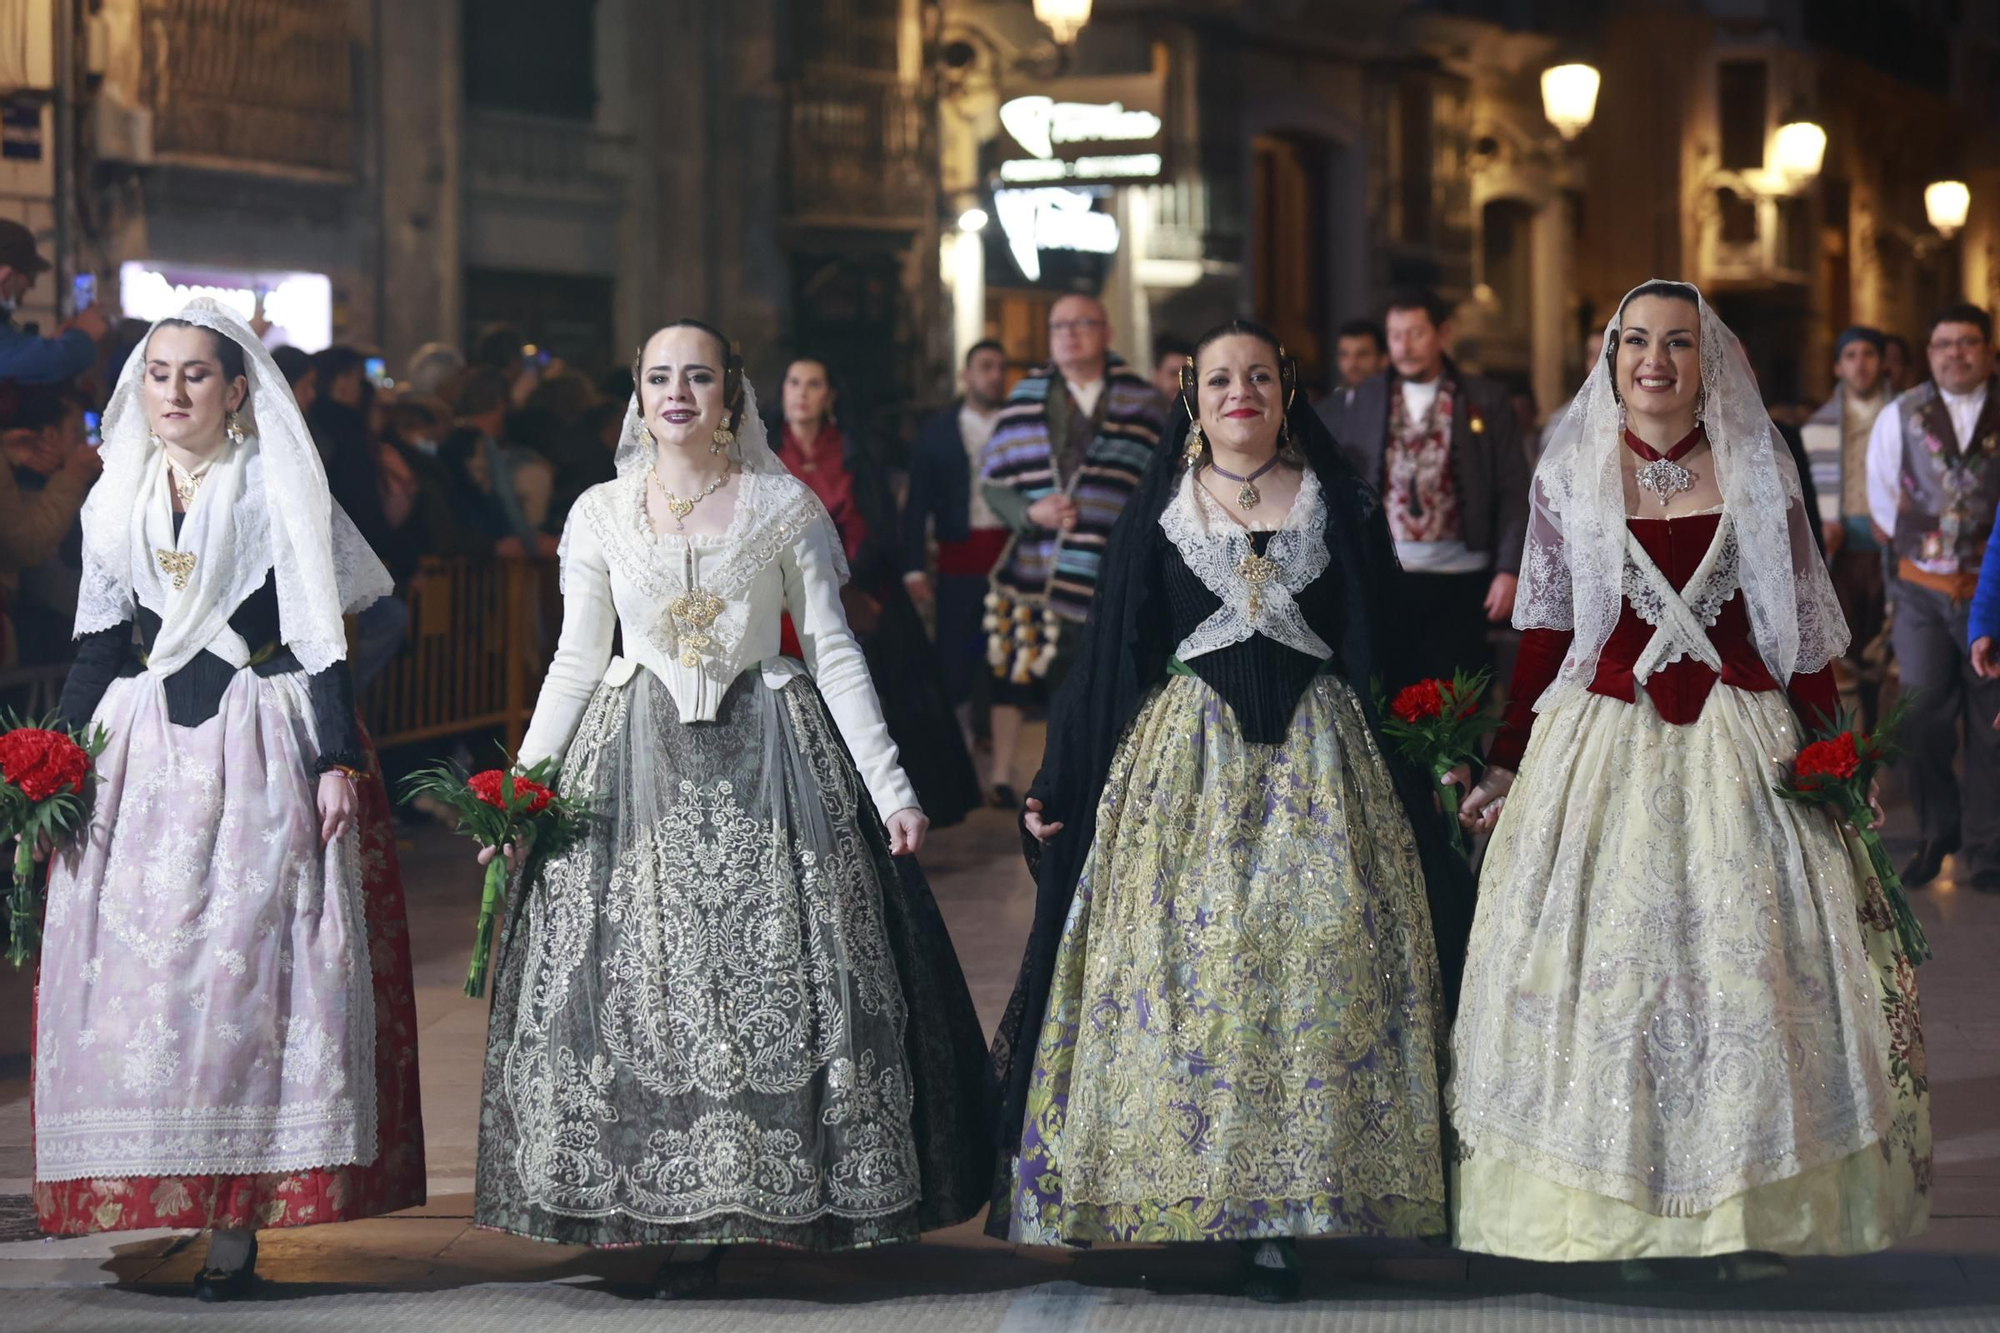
x: 1480, y: 810
x: 508, y: 850
x: 339, y: 805
x: 864, y: 612
x: 1043, y: 830
x: 907, y: 828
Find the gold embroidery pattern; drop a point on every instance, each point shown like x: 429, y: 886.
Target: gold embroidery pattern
x: 1245, y: 1023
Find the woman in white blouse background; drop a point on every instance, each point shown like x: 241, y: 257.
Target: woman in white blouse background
x: 731, y: 1012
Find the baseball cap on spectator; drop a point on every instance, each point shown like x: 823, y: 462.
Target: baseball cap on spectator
x: 18, y: 250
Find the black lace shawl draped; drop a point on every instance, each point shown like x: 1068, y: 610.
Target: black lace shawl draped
x: 1125, y: 649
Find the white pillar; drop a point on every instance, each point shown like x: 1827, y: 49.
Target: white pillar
x: 966, y: 256
x: 1124, y: 294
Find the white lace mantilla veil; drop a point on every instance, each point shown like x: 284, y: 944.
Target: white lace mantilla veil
x: 283, y: 519
x: 1573, y: 567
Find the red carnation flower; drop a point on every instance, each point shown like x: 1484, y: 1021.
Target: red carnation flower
x: 541, y: 795
x: 1834, y: 758
x: 1425, y: 699
x: 486, y: 786
x: 43, y: 763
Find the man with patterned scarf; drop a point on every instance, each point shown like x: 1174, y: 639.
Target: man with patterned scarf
x: 1066, y: 454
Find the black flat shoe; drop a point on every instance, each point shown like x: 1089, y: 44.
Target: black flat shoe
x: 1271, y: 1286
x: 1929, y: 860
x: 227, y: 1284
x: 678, y: 1281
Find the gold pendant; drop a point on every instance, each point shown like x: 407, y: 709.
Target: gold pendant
x: 678, y: 507
x: 177, y: 564
x: 1257, y: 570
x: 1247, y: 498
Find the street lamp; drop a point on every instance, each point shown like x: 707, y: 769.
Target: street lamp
x: 1063, y: 18
x: 1569, y: 97
x: 1946, y: 203
x: 1801, y: 149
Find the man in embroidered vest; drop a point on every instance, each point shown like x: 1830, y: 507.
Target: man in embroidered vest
x: 945, y: 506
x: 1933, y: 484
x: 1444, y: 449
x: 1836, y: 445
x: 1067, y: 453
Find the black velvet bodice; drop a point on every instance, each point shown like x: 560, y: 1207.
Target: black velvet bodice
x: 1260, y: 679
x: 194, y: 693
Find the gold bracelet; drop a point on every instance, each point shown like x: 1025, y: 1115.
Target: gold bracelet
x: 351, y: 774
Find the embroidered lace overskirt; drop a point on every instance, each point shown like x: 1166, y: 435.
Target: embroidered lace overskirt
x: 1243, y: 1031
x: 392, y: 1181
x: 206, y: 1004
x: 1668, y: 999
x: 699, y: 1024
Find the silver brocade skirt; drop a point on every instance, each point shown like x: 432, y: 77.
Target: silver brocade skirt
x: 727, y: 1014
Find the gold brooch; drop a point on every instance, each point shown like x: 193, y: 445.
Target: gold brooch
x: 178, y: 565
x: 693, y: 612
x: 1257, y: 570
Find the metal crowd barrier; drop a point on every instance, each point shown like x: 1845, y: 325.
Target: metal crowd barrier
x: 480, y: 635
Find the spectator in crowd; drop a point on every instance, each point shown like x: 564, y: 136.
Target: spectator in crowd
x: 1898, y: 366
x: 1170, y: 353
x: 1068, y: 451
x: 1836, y: 445
x: 1443, y: 449
x: 500, y: 347
x: 433, y: 368
x: 48, y: 469
x: 339, y: 420
x: 297, y: 368
x: 946, y: 506
x: 591, y: 460
x: 24, y: 357
x: 499, y: 490
x: 1359, y: 351
x: 1933, y: 485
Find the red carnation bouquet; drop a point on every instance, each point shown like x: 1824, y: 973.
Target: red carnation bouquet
x: 1436, y: 724
x: 45, y: 769
x: 498, y: 808
x: 1836, y: 768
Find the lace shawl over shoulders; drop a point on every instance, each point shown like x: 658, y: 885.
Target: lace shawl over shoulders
x: 1217, y: 550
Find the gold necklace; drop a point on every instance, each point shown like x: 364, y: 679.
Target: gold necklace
x: 677, y: 506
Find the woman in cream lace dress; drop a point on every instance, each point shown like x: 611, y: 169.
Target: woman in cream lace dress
x: 730, y: 1013
x: 1687, y: 1028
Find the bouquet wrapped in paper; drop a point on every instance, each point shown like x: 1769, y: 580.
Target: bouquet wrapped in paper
x: 498, y: 809
x: 1436, y: 724
x: 45, y: 769
x: 1837, y: 768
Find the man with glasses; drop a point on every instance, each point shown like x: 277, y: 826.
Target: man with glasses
x: 1933, y: 484
x: 1067, y: 452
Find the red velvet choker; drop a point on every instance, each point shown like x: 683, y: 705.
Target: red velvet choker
x: 1663, y: 475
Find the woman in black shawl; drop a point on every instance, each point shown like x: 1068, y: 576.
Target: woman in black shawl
x: 1230, y: 1019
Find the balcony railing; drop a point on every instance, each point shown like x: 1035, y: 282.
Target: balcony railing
x: 857, y: 151
x: 515, y: 153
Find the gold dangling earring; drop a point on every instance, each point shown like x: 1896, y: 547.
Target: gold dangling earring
x: 721, y: 441
x: 1195, y: 444
x: 233, y: 429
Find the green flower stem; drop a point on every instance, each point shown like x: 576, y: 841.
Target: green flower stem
x: 489, y: 907
x: 23, y: 930
x: 1450, y: 804
x: 1909, y: 931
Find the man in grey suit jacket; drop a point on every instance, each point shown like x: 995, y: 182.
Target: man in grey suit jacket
x: 1444, y: 450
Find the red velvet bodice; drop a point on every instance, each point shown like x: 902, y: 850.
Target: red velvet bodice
x: 1678, y: 690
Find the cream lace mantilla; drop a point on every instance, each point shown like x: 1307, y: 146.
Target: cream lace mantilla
x: 1258, y: 593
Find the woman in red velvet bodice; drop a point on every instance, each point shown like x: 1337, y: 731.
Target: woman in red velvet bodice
x: 1686, y: 1026
x: 1679, y: 689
